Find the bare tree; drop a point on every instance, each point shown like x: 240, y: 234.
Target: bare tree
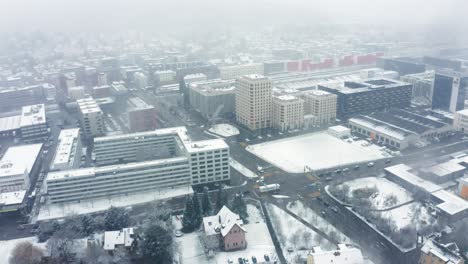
x: 61, y: 246
x: 294, y: 238
x: 307, y: 237
x: 95, y: 254
x: 25, y: 253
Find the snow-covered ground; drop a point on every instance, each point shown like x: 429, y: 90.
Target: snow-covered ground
x: 385, y: 189
x: 315, y: 150
x: 242, y: 169
x: 316, y: 220
x: 292, y: 234
x: 258, y: 239
x: 53, y: 211
x: 7, y: 246
x: 413, y: 214
x: 224, y: 130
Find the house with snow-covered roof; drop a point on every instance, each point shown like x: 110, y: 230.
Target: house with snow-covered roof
x: 224, y: 230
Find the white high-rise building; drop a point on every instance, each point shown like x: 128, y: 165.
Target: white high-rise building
x: 141, y: 80
x: 91, y: 117
x: 321, y: 106
x: 235, y: 71
x: 101, y: 79
x: 288, y: 112
x: 254, y: 101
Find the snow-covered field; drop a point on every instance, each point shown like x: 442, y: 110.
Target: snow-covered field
x: 242, y: 169
x: 413, y: 214
x: 293, y: 234
x: 316, y: 220
x: 53, y: 211
x: 7, y: 246
x: 385, y: 189
x: 258, y: 239
x: 224, y: 130
x: 315, y: 150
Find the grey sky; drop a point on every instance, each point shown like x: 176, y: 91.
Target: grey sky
x: 99, y: 15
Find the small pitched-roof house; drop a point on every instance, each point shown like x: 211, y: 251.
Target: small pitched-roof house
x: 224, y: 230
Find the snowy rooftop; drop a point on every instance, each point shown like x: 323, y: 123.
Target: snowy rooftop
x: 88, y: 105
x: 463, y: 112
x: 339, y: 128
x: 19, y: 159
x: 402, y: 171
x: 255, y: 77
x: 90, y: 172
x: 452, y: 204
x: 10, y: 123
x: 286, y: 98
x: 123, y: 237
x: 222, y: 222
x: 344, y: 255
x: 33, y: 115
x: 381, y: 127
x: 176, y: 131
x: 445, y: 168
x: 442, y: 252
x: 205, y: 145
x: 213, y: 87
x: 136, y: 103
x: 12, y: 198
x: 66, y: 141
x: 318, y: 93
x: 349, y: 87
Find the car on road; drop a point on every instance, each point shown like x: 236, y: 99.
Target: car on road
x: 388, y: 161
x: 328, y: 179
x: 20, y: 227
x: 338, y: 171
x: 240, y: 260
x: 356, y: 167
x: 345, y: 170
x: 334, y: 209
x: 324, y: 213
x: 370, y: 164
x: 178, y: 233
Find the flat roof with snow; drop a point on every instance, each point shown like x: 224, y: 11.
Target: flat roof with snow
x: 402, y: 171
x: 12, y: 198
x: 19, y: 159
x: 67, y: 139
x: 88, y: 105
x: 10, y: 123
x: 451, y: 203
x: 445, y: 168
x: 33, y: 115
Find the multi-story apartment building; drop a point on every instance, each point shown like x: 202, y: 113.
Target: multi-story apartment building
x: 11, y: 98
x: 321, y: 105
x: 17, y: 165
x: 33, y: 122
x: 288, y: 112
x: 91, y: 118
x: 449, y: 91
x: 368, y: 96
x: 235, y: 71
x: 141, y: 116
x: 182, y: 163
x: 165, y: 76
x: 254, y: 101
x: 69, y: 150
x: 214, y: 97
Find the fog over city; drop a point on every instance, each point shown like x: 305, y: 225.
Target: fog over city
x: 233, y: 131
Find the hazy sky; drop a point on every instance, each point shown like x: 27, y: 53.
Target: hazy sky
x: 100, y: 15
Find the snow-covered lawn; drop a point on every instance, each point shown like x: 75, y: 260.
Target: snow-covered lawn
x: 385, y: 190
x: 224, y: 130
x: 53, y: 211
x: 316, y: 220
x: 258, y: 239
x: 315, y: 150
x: 242, y: 169
x: 7, y: 246
x: 413, y: 214
x: 292, y: 234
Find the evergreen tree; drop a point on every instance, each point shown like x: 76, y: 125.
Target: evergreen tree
x: 87, y: 225
x: 187, y: 218
x: 197, y: 212
x: 205, y: 203
x: 156, y: 246
x: 221, y: 199
x: 239, y: 207
x: 116, y: 219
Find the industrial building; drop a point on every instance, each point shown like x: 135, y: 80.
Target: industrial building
x: 14, y: 97
x: 213, y: 98
x: 69, y: 150
x: 399, y: 128
x: 184, y: 162
x: 361, y: 97
x: 33, y: 124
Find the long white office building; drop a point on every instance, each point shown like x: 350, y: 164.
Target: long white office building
x: 17, y: 165
x: 153, y: 160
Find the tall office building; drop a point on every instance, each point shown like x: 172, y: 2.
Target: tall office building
x: 254, y: 101
x: 321, y: 105
x: 449, y: 91
x: 141, y: 116
x: 288, y: 112
x: 33, y: 122
x: 91, y: 118
x: 213, y: 98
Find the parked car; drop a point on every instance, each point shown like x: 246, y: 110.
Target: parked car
x: 240, y: 260
x: 370, y: 164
